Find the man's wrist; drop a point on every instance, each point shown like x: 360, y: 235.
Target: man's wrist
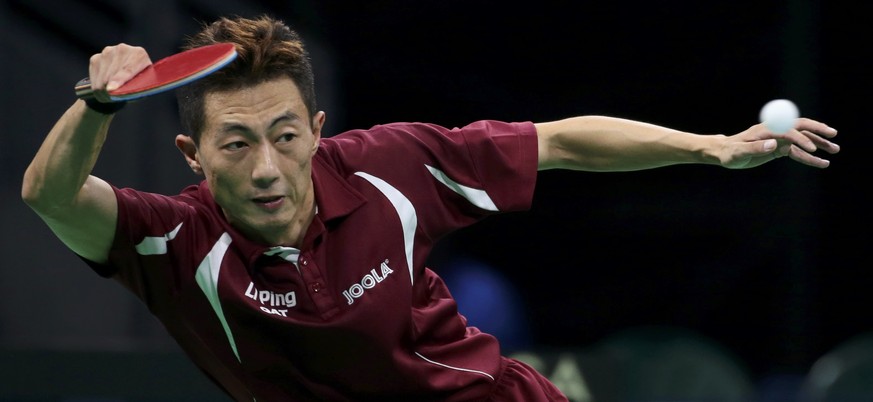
x: 108, y: 108
x: 711, y: 149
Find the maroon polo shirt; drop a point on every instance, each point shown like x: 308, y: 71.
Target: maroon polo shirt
x: 353, y: 314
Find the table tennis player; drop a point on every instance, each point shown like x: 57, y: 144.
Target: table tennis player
x: 295, y: 270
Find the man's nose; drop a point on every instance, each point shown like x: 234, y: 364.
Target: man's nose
x: 265, y: 171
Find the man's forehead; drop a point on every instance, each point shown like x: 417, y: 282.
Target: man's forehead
x: 275, y: 90
x: 269, y: 99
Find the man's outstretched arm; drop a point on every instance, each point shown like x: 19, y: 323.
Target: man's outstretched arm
x: 598, y: 143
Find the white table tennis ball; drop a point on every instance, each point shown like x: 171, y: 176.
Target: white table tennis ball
x: 779, y: 115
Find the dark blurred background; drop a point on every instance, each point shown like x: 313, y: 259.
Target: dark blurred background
x: 768, y: 264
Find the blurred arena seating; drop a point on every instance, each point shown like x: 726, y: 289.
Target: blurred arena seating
x: 644, y: 364
x: 844, y: 374
x: 647, y: 364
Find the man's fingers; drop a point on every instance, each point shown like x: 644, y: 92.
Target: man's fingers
x: 757, y: 144
x: 114, y: 66
x: 821, y: 142
x: 813, y: 126
x: 126, y: 65
x: 806, y: 158
x: 799, y: 139
x: 95, y: 71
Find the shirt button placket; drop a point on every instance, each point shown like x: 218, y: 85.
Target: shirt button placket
x: 315, y: 286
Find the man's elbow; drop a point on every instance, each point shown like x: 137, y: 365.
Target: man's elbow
x: 36, y: 196
x: 30, y: 192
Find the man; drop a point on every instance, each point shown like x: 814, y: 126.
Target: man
x: 295, y: 270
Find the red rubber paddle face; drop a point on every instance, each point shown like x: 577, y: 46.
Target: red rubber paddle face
x: 170, y: 72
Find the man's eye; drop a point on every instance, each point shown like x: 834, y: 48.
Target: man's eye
x: 286, y: 138
x: 234, y: 146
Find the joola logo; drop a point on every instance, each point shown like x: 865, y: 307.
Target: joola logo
x: 369, y: 281
x: 268, y: 298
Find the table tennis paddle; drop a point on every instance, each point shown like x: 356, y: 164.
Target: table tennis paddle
x: 168, y: 73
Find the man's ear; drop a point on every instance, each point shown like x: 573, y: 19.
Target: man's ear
x: 317, y: 125
x: 189, y: 149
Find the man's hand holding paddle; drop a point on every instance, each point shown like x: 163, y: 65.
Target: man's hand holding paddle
x: 113, y: 67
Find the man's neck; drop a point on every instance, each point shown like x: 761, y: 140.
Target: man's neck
x: 300, y: 223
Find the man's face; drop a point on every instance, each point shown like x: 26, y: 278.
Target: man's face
x: 255, y: 151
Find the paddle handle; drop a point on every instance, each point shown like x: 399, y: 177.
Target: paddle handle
x: 83, y: 89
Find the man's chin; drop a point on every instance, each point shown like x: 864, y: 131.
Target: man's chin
x: 272, y: 231
x: 267, y: 230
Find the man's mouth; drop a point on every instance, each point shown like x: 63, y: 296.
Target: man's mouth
x: 269, y: 202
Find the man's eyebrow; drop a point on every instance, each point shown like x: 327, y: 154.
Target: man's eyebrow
x: 286, y: 117
x: 233, y: 127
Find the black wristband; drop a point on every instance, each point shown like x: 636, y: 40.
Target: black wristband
x: 104, y: 108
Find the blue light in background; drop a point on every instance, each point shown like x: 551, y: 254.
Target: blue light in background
x: 489, y: 301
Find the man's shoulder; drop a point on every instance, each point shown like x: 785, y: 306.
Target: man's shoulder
x: 195, y: 192
x: 194, y: 196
